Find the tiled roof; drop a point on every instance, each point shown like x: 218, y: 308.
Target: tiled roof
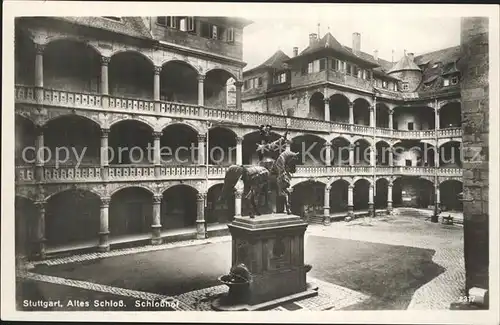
x: 435, y: 65
x: 404, y: 64
x: 131, y: 26
x: 276, y: 61
x: 330, y: 42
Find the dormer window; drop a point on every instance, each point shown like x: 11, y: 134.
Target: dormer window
x: 435, y: 65
x: 454, y: 80
x: 280, y: 78
x: 446, y: 82
x: 405, y: 86
x: 113, y: 18
x: 384, y: 84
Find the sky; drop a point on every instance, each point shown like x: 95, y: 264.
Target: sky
x: 418, y: 35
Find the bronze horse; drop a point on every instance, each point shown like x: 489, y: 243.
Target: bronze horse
x: 269, y: 175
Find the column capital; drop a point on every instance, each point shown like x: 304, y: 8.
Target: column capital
x: 239, y: 140
x: 238, y: 84
x: 201, y: 196
x: 201, y: 137
x: 328, y: 188
x: 105, y: 60
x: 39, y: 48
x: 104, y: 132
x: 350, y: 187
x: 372, y: 108
x: 350, y: 104
x: 201, y: 77
x: 157, y: 198
x: 39, y: 129
x: 157, y: 134
x: 157, y: 69
x: 390, y: 184
x: 40, y: 204
x: 238, y: 194
x: 105, y: 201
x: 352, y: 146
x: 326, y: 100
x: 391, y: 111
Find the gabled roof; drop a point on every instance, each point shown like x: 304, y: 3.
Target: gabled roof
x: 404, y: 64
x: 276, y: 61
x: 131, y: 26
x: 329, y: 42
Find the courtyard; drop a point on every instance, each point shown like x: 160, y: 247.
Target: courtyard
x: 392, y: 263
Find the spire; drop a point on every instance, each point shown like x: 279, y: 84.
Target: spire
x: 319, y: 34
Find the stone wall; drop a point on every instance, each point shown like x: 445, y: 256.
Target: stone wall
x: 475, y: 126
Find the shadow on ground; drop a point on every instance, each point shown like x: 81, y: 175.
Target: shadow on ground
x: 388, y: 274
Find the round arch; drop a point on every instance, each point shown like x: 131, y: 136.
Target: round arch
x: 450, y: 191
x: 132, y: 52
x: 187, y: 124
x: 72, y: 216
x: 219, y: 211
x: 179, y: 206
x: 307, y: 198
x: 316, y: 106
x: 130, y: 210
x: 186, y: 63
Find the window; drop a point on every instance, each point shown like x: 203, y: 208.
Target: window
x: 214, y: 32
x: 161, y: 20
x: 410, y: 126
x: 395, y: 86
x: 305, y: 69
x: 384, y: 84
x: 253, y: 83
x: 280, y: 78
x: 316, y: 66
x: 230, y: 35
x: 406, y: 86
x: 190, y: 24
x: 259, y: 81
x: 454, y: 80
x: 446, y: 82
x: 205, y: 30
x: 172, y: 22
x: 355, y: 71
x: 408, y: 162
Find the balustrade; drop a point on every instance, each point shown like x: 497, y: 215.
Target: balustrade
x: 130, y: 172
x: 25, y: 174
x: 71, y: 173
x: 139, y: 105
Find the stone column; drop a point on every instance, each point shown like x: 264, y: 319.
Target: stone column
x: 351, y: 113
x: 156, y: 152
x: 327, y: 109
x: 104, y: 225
x: 351, y: 154
x: 350, y: 200
x: 328, y: 153
x: 156, y: 226
x: 200, y: 216
x: 239, y: 151
x: 201, y: 98
x: 373, y: 155
x: 105, y: 81
x: 287, y: 145
x: 39, y: 49
x: 372, y: 116
x: 438, y: 199
x: 104, y: 153
x: 39, y: 153
x: 437, y: 153
x: 201, y: 149
x: 40, y: 230
x: 156, y: 83
x: 391, y: 157
x: 239, y: 85
x: 238, y: 194
x: 437, y: 122
x: 326, y: 207
x: 391, y: 122
x: 389, y: 198
x: 371, y: 209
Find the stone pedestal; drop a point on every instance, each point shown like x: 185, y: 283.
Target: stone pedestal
x: 272, y: 248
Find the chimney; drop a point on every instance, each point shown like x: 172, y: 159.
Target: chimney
x: 356, y: 43
x: 411, y: 56
x: 313, y: 37
x: 295, y: 51
x: 375, y: 55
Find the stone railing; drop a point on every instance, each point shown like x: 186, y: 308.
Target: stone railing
x: 33, y: 95
x: 51, y: 174
x: 118, y: 172
x: 25, y: 174
x: 72, y: 174
x: 450, y: 132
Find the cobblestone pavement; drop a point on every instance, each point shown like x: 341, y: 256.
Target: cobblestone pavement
x: 329, y: 297
x: 446, y: 240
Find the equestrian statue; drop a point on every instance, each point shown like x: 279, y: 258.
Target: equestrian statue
x: 273, y: 172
